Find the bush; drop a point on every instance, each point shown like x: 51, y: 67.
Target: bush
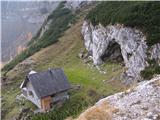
x: 147, y: 73
x: 143, y: 15
x: 152, y: 69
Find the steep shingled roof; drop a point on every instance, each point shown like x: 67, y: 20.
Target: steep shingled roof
x: 48, y: 82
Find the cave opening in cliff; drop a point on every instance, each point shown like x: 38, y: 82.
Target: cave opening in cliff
x: 113, y: 53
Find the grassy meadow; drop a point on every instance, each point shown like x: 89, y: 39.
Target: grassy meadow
x: 64, y: 54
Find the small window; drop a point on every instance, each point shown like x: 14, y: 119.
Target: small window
x: 30, y: 93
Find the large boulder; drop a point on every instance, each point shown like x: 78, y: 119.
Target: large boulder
x: 141, y: 102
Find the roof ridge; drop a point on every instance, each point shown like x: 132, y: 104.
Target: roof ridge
x: 50, y: 82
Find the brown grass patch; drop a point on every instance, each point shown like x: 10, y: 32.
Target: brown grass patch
x: 102, y: 111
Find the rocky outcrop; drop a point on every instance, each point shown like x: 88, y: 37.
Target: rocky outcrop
x: 155, y: 52
x: 137, y: 103
x: 75, y: 5
x: 98, y: 39
x: 44, y: 28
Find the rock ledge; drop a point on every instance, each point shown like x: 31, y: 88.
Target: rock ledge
x: 137, y: 103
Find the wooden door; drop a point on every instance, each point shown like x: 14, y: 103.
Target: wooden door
x: 46, y: 103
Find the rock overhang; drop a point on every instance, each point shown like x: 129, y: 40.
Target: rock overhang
x: 132, y: 45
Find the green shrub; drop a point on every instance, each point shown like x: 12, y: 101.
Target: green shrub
x: 147, y: 73
x: 152, y: 69
x: 143, y: 15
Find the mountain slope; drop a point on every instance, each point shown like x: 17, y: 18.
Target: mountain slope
x: 90, y: 82
x: 64, y: 53
x: 58, y: 21
x: 29, y: 15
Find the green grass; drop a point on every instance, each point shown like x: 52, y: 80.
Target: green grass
x: 64, y: 54
x: 90, y: 79
x: 10, y: 106
x: 151, y: 70
x: 92, y: 89
x: 142, y: 15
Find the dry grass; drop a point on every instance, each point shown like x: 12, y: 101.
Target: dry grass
x: 62, y: 50
x: 102, y: 111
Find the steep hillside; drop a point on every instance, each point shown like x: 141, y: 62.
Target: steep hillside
x: 58, y: 21
x: 29, y: 15
x: 97, y: 52
x: 90, y: 83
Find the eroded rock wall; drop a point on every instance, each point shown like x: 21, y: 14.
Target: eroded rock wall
x: 132, y: 44
x: 155, y: 52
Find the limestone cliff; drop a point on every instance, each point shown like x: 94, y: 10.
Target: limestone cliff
x: 155, y: 52
x: 100, y: 40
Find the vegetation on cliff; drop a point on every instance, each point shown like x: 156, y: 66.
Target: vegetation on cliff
x: 151, y: 70
x: 142, y: 15
x: 61, y: 17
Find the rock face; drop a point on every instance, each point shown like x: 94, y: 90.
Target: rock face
x: 75, y: 5
x: 44, y: 28
x: 155, y: 52
x: 138, y: 103
x: 99, y: 39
